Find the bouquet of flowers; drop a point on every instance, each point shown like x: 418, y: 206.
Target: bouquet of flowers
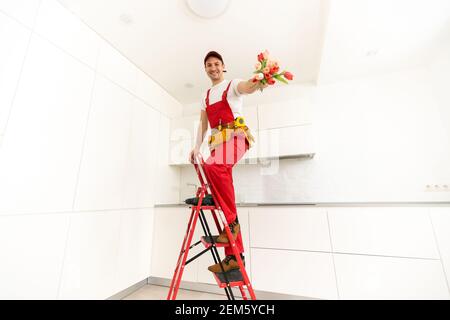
x: 267, y: 70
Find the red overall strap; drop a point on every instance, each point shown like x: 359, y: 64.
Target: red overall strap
x: 220, y: 111
x: 225, y: 93
x: 207, y: 98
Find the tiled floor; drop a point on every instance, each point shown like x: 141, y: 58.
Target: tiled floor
x: 153, y: 292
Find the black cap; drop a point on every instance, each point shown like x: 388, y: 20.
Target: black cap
x: 213, y: 54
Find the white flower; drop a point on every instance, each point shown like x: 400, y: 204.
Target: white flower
x: 259, y: 76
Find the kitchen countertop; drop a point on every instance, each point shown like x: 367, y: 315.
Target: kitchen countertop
x: 321, y: 204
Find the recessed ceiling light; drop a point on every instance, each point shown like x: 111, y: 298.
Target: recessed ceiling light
x: 208, y: 8
x: 126, y: 19
x: 371, y: 53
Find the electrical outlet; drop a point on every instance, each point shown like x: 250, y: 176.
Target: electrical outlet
x: 437, y: 188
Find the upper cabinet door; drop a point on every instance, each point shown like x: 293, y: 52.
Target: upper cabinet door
x: 285, y: 142
x: 287, y: 113
x: 183, y: 128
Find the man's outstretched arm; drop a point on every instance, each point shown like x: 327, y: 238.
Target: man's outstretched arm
x: 247, y: 87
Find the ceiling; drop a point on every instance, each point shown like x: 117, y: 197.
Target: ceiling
x: 319, y: 41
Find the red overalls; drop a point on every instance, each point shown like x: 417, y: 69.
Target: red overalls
x: 219, y: 165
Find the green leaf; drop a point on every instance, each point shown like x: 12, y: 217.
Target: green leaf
x: 263, y: 64
x: 280, y: 78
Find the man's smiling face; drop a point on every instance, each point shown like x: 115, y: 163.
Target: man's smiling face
x: 214, y: 68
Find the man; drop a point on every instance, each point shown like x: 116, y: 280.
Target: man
x: 230, y: 138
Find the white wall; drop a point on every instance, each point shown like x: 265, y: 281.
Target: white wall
x: 381, y: 138
x: 80, y: 171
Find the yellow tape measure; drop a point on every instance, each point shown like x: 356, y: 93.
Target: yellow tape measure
x: 239, y: 122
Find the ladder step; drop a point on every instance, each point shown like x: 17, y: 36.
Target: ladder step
x: 234, y: 277
x: 206, y: 207
x: 207, y: 242
x: 207, y: 201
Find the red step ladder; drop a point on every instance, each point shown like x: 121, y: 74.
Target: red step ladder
x: 225, y: 280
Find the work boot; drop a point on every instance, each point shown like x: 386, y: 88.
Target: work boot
x: 234, y: 228
x: 229, y: 263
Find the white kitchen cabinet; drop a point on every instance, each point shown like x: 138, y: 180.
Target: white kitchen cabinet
x: 183, y: 134
x: 170, y: 225
x: 32, y: 250
x: 168, y: 177
x: 134, y: 250
x: 441, y: 224
x: 180, y: 149
x: 285, y: 126
x: 251, y: 116
x: 186, y: 127
x: 307, y: 274
x: 286, y: 113
x: 114, y: 66
x: 251, y: 119
x: 286, y: 227
x: 373, y: 277
x: 40, y: 154
x: 385, y: 231
x: 354, y: 253
x: 90, y: 263
x: 251, y: 156
x: 14, y: 38
x: 286, y: 142
x: 141, y: 164
x: 271, y: 143
x: 183, y: 128
x: 281, y: 129
x: 104, y: 161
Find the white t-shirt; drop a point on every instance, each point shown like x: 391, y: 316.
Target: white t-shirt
x: 234, y: 98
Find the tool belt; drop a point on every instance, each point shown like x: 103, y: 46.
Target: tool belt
x: 224, y: 132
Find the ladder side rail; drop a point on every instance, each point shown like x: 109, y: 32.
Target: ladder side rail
x: 200, y: 170
x: 182, y: 250
x: 244, y: 296
x: 191, y: 234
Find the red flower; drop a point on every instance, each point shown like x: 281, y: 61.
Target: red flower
x: 260, y: 57
x: 271, y: 81
x: 267, y: 76
x: 274, y: 70
x: 288, y: 75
